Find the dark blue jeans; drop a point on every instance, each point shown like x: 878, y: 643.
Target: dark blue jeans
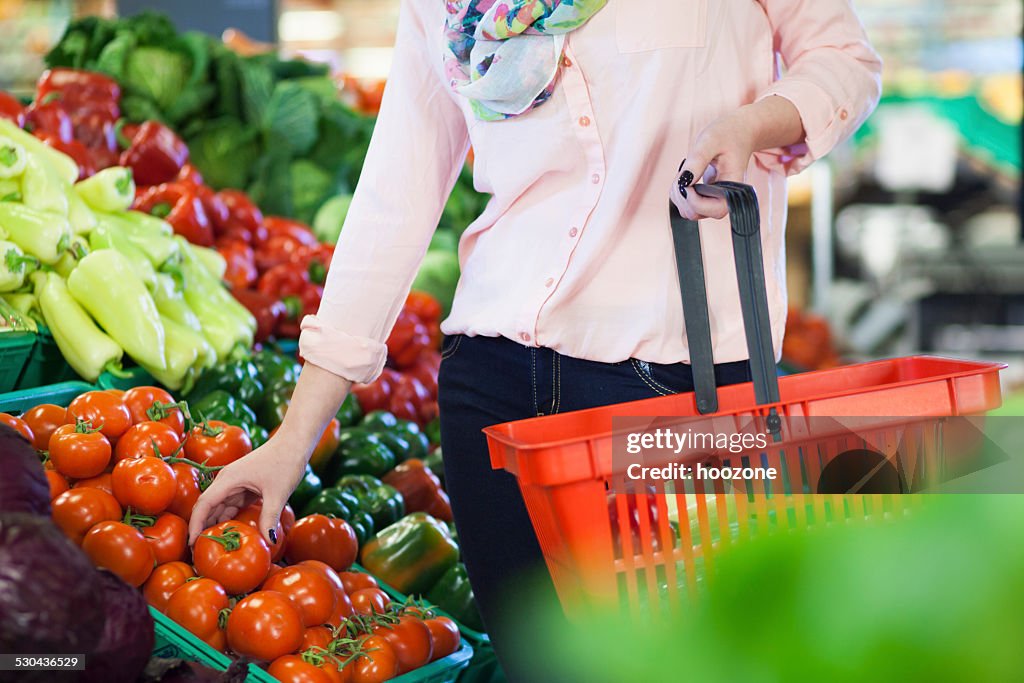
x: 489, y: 380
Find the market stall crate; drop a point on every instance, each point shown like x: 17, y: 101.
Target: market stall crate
x: 45, y: 364
x: 15, y: 351
x: 60, y: 394
x: 133, y: 377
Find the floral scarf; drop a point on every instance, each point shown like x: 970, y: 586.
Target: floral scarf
x: 503, y: 55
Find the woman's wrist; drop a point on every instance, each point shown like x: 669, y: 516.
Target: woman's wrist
x: 773, y: 122
x: 317, y: 397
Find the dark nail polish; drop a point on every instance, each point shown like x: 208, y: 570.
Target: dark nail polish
x: 681, y: 165
x: 682, y: 188
x: 686, y: 179
x: 273, y: 536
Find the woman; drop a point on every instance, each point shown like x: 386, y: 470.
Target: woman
x: 568, y: 297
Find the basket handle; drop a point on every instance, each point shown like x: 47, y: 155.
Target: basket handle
x: 746, y: 240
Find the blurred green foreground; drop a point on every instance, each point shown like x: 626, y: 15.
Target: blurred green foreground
x: 936, y: 596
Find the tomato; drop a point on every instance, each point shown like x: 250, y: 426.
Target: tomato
x: 287, y: 518
x: 58, y: 484
x: 186, y: 491
x: 105, y: 412
x: 445, y: 636
x: 140, y: 400
x: 142, y: 438
x: 196, y: 606
x: 265, y: 626
x: 354, y: 581
x: 78, y: 454
x: 146, y: 484
x: 326, y: 446
x: 100, y: 481
x: 168, y: 537
x: 164, y: 580
x: 233, y: 554
x: 43, y: 420
x: 116, y: 392
x: 308, y: 589
x: 316, y: 636
x: 410, y: 639
x: 378, y: 664
x: 77, y: 510
x: 121, y: 549
x: 251, y: 516
x: 328, y: 539
x: 295, y: 669
x: 19, y: 425
x: 370, y: 601
x: 217, y: 443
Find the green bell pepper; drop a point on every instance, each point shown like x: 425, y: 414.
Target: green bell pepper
x: 275, y: 368
x: 360, y: 452
x: 350, y: 412
x: 237, y: 377
x: 112, y: 189
x: 274, y: 405
x: 309, y: 487
x: 379, y: 421
x: 411, y: 555
x: 105, y: 284
x: 221, y: 405
x: 433, y: 431
x: 453, y: 594
x: 383, y: 502
x: 259, y: 435
x: 435, y: 463
x: 397, y: 442
x: 343, y: 504
x: 419, y: 445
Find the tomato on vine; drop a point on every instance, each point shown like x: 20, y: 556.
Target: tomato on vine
x: 233, y: 554
x: 106, y: 412
x: 265, y: 626
x: 200, y: 607
x: 145, y: 484
x: 217, y: 443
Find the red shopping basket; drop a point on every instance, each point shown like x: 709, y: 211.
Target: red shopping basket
x: 599, y: 548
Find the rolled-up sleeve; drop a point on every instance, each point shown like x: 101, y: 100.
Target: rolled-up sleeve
x: 418, y: 147
x: 832, y: 75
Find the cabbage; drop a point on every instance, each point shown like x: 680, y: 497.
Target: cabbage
x: 23, y: 486
x: 49, y: 602
x: 128, y: 635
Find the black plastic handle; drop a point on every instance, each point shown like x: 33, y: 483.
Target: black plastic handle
x: 746, y: 239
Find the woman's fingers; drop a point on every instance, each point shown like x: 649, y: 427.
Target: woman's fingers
x: 224, y: 496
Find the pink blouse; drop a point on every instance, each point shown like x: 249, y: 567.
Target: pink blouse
x: 574, y: 251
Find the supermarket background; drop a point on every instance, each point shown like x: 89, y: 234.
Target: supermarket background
x: 906, y: 240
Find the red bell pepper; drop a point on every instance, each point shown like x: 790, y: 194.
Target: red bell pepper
x: 425, y: 370
x: 300, y: 232
x: 290, y: 282
x: 424, y: 306
x: 156, y: 154
x: 216, y: 209
x: 278, y: 250
x: 80, y: 91
x: 408, y: 339
x: 190, y: 174
x: 74, y: 149
x: 179, y: 205
x: 420, y: 488
x: 377, y: 394
x: 99, y: 135
x: 409, y: 400
x: 243, y: 216
x: 11, y: 109
x: 267, y: 310
x: 51, y: 118
x: 241, y: 264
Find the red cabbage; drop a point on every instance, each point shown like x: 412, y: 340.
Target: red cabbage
x: 128, y: 636
x: 23, y: 486
x: 48, y: 597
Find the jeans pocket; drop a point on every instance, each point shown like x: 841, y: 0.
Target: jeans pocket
x: 666, y: 379
x: 450, y: 345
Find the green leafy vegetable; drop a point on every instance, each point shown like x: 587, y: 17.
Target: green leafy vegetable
x: 226, y: 151
x: 293, y: 114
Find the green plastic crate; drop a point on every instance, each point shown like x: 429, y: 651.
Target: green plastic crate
x: 484, y: 666
x: 59, y: 394
x: 172, y: 641
x: 137, y: 377
x: 15, y: 350
x: 46, y: 364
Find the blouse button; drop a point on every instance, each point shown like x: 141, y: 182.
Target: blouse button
x: 595, y: 179
x: 566, y: 62
x: 572, y: 232
x: 843, y: 114
x: 584, y: 121
x: 550, y: 281
x: 525, y: 337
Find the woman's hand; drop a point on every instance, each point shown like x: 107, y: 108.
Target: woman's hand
x: 272, y: 471
x: 723, y: 149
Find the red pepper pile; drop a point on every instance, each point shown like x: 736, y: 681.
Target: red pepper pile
x: 408, y: 386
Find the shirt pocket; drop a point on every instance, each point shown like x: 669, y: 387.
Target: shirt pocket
x: 644, y: 25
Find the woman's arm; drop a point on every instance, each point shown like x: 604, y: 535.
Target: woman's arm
x: 418, y: 147
x: 832, y: 83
